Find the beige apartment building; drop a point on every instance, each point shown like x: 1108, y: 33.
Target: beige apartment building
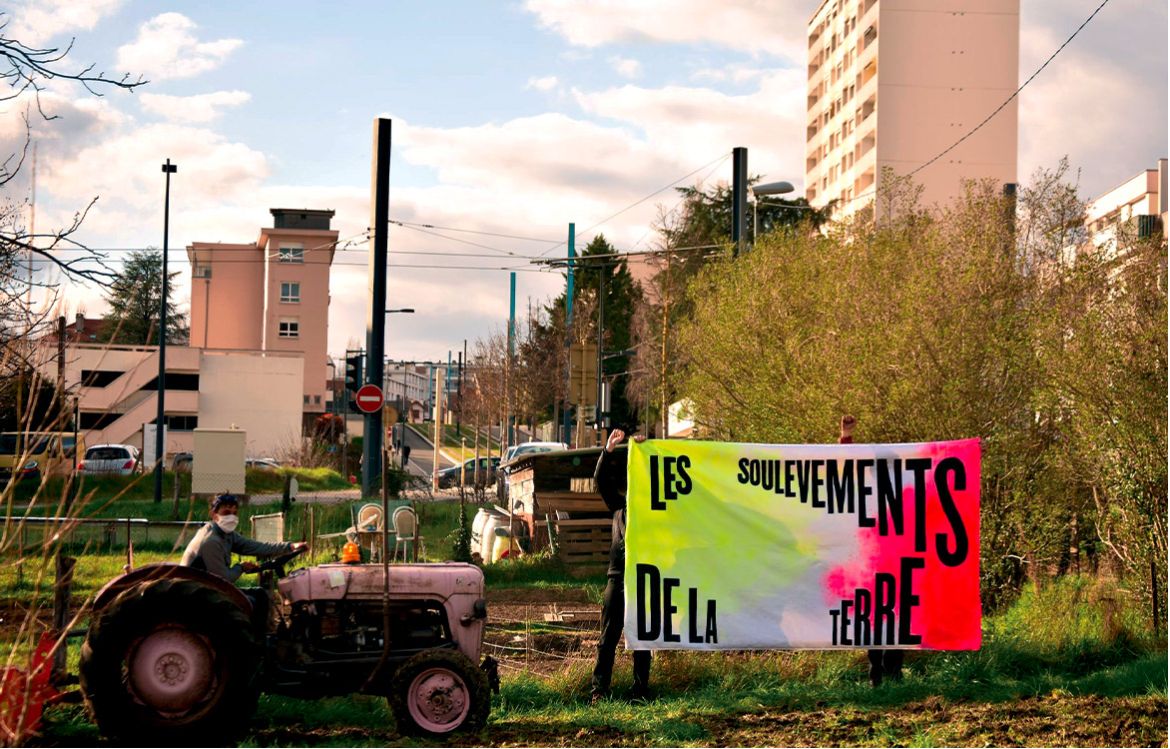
x: 893, y: 83
x: 1137, y: 206
x: 271, y: 295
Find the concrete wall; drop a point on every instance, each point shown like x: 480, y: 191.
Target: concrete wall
x: 258, y: 394
x: 226, y: 308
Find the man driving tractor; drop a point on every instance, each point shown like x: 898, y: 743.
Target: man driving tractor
x: 212, y: 547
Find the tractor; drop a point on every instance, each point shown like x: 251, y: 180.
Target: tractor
x: 175, y: 655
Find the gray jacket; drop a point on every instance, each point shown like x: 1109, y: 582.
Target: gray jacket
x: 211, y: 550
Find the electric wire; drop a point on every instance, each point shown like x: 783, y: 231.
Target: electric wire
x: 637, y: 203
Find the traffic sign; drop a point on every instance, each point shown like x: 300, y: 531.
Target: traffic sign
x: 369, y: 398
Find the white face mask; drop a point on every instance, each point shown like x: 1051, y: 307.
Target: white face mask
x: 227, y: 523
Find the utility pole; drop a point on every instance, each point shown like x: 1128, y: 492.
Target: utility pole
x: 569, y: 334
x: 601, y: 269
x: 511, y: 352
x: 739, y: 180
x: 438, y: 426
x: 160, y: 417
x: 459, y: 390
x: 376, y: 316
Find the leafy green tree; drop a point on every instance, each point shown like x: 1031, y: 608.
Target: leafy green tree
x: 134, y: 299
x: 972, y: 322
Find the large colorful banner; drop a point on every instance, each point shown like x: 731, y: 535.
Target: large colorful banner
x: 739, y: 546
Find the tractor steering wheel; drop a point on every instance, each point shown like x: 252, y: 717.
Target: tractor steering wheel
x: 278, y: 562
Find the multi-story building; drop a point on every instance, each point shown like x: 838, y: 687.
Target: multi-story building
x: 409, y: 387
x: 271, y: 295
x: 894, y: 83
x: 1138, y: 205
x: 116, y: 391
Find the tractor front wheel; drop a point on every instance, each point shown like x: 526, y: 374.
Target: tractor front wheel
x: 439, y: 692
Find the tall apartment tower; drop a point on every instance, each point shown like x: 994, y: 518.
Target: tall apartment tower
x: 271, y: 295
x: 893, y: 83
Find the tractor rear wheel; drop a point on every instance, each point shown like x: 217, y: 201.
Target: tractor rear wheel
x: 171, y: 662
x: 438, y: 692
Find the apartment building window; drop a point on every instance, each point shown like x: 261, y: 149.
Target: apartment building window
x: 202, y: 270
x: 293, y: 253
x: 290, y: 292
x: 290, y: 327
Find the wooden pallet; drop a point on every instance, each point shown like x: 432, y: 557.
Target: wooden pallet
x: 584, y: 541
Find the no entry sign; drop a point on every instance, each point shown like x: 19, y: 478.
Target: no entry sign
x: 369, y: 398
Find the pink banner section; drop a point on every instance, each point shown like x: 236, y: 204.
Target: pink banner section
x: 936, y: 547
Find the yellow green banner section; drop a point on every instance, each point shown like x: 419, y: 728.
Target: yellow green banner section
x: 738, y: 546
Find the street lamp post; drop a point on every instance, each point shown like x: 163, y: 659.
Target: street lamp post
x: 759, y: 191
x: 160, y: 419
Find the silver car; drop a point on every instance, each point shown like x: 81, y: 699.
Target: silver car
x: 118, y: 460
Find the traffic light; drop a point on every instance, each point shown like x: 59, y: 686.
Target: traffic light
x: 353, y: 371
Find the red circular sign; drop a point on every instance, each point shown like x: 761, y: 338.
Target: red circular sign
x: 368, y: 398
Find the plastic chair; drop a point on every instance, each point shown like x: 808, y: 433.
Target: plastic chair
x: 405, y: 525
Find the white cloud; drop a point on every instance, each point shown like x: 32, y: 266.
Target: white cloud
x: 626, y: 67
x: 756, y: 26
x: 34, y: 22
x: 197, y: 109
x: 166, y: 47
x: 737, y: 74
x: 545, y: 83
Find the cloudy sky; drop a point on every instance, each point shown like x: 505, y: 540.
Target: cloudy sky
x: 510, y: 117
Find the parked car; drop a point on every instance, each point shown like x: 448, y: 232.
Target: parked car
x: 120, y: 460
x: 515, y: 451
x: 449, y: 477
x: 36, y: 455
x: 261, y: 464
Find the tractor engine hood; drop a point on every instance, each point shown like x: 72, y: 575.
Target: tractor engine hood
x: 364, y: 581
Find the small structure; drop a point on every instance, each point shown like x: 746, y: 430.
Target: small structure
x: 552, y: 500
x: 219, y: 461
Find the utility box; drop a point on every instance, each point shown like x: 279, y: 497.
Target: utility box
x: 218, y: 464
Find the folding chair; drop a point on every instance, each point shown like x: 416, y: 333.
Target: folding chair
x: 405, y: 525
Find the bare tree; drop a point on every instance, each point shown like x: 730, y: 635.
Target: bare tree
x: 28, y: 71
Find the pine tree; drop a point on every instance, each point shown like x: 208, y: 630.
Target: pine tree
x: 134, y: 300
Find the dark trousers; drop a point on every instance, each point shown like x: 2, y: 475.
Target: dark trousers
x: 613, y: 614
x: 886, y: 663
x: 260, y: 606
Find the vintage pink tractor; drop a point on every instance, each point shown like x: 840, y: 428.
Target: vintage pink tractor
x: 175, y: 655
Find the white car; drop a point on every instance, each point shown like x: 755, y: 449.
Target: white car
x: 525, y: 448
x: 118, y: 460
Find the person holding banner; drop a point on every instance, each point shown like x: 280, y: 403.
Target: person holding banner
x: 882, y: 662
x: 610, y: 478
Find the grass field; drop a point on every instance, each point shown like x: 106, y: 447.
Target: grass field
x: 1069, y: 663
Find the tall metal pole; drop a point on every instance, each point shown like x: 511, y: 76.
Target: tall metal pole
x: 376, y: 317
x: 511, y: 349
x: 160, y: 419
x: 600, y: 333
x: 739, y: 180
x: 568, y: 424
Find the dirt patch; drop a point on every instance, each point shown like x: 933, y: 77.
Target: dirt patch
x: 537, y: 596
x: 1054, y: 720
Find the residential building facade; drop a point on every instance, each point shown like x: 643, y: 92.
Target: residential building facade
x: 116, y: 388
x: 270, y: 296
x: 894, y: 83
x: 1137, y: 206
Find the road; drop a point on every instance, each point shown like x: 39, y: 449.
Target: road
x: 422, y: 455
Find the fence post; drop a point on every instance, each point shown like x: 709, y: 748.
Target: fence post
x: 61, y: 594
x: 177, y: 491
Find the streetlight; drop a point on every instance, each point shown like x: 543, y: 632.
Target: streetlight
x: 759, y: 191
x: 160, y: 419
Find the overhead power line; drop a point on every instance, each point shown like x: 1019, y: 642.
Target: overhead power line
x: 638, y: 202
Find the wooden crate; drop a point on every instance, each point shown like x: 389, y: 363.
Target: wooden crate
x: 584, y: 541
